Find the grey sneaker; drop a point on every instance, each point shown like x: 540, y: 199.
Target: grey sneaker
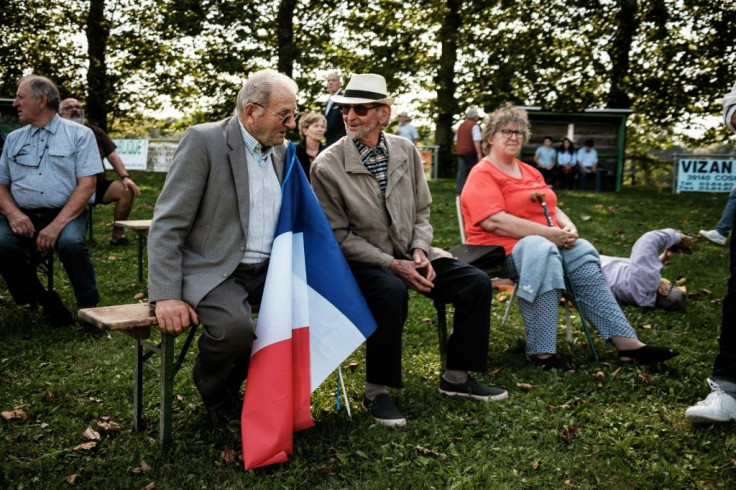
x: 713, y: 236
x: 472, y: 389
x: 384, y: 411
x: 718, y: 406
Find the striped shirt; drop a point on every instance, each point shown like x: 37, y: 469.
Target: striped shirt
x: 375, y: 160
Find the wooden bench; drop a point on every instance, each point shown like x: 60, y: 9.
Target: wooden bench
x: 140, y: 227
x: 136, y: 321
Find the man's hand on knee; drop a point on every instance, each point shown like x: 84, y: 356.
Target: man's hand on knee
x: 21, y: 224
x: 47, y: 238
x: 174, y: 316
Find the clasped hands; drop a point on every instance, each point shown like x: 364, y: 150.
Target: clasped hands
x: 417, y: 273
x: 563, y: 237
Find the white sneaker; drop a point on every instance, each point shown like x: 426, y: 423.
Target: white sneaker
x: 718, y: 406
x: 713, y: 236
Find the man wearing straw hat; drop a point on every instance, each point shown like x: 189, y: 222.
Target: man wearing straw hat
x: 371, y: 186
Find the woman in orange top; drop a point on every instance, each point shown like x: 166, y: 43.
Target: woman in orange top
x: 497, y: 209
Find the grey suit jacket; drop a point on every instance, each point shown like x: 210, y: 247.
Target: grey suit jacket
x: 200, y: 222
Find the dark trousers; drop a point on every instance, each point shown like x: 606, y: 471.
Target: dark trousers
x: 725, y: 365
x: 464, y: 164
x: 566, y: 177
x: 583, y: 176
x: 20, y: 273
x: 550, y: 175
x: 466, y: 287
x: 228, y: 334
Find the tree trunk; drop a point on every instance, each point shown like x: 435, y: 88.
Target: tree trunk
x: 287, y: 49
x: 447, y: 106
x: 619, y: 51
x: 98, y: 31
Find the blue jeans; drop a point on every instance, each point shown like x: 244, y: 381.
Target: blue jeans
x: 20, y: 274
x: 584, y: 177
x: 724, y: 226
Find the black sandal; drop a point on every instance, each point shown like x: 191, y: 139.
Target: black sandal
x: 552, y: 362
x: 649, y: 354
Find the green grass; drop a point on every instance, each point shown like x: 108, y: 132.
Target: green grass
x: 632, y: 432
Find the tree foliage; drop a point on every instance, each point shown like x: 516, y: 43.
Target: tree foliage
x: 669, y: 61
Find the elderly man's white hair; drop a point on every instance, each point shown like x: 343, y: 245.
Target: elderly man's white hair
x: 259, y: 87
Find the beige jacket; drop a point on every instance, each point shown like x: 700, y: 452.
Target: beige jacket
x: 367, y: 229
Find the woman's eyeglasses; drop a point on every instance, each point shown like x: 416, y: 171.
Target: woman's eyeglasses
x: 508, y: 133
x: 359, y: 110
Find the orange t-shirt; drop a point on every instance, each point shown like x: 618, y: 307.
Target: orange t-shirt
x: 489, y: 191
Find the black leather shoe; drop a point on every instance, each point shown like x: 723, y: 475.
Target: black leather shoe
x: 647, y: 355
x: 552, y: 362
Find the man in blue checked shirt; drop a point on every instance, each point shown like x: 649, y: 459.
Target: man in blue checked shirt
x: 47, y: 177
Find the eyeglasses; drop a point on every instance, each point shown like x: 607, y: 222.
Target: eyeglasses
x: 508, y: 133
x: 26, y: 162
x: 284, y: 118
x: 359, y: 110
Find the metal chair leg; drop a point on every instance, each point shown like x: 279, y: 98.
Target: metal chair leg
x: 509, y: 304
x: 341, y: 381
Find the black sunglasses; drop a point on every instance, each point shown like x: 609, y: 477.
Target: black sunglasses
x: 359, y: 110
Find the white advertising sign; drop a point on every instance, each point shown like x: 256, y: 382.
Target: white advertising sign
x: 134, y: 154
x: 705, y: 175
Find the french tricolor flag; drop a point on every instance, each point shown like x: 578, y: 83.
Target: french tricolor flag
x: 312, y: 317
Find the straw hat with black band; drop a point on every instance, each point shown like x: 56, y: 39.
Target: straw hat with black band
x: 367, y: 88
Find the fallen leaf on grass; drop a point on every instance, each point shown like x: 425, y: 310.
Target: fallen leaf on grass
x: 228, y: 455
x: 91, y: 435
x: 139, y: 296
x: 568, y: 431
x: 149, y: 486
x: 16, y: 414
x: 647, y: 326
x: 681, y: 280
x: 72, y: 478
x: 535, y: 465
x: 86, y: 446
x: 599, y: 375
x: 109, y: 425
x: 502, y: 297
x: 733, y: 461
x: 112, y: 258
x: 426, y: 319
x: 426, y: 451
x: 142, y: 469
x: 495, y: 372
x: 354, y: 365
x: 644, y: 378
x: 615, y: 373
x: 706, y: 291
x: 525, y: 386
x: 569, y: 483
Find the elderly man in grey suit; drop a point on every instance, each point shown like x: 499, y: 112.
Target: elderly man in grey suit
x: 212, y: 232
